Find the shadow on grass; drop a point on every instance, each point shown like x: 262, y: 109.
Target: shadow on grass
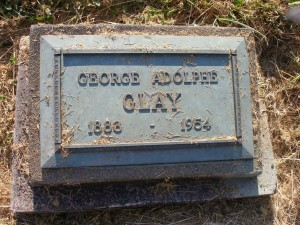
x: 240, y: 211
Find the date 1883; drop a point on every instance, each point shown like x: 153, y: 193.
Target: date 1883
x: 106, y: 127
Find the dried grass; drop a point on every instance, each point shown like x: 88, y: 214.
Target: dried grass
x: 7, y: 101
x: 279, y: 57
x: 283, y: 97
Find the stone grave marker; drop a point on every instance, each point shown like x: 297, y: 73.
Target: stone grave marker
x: 116, y: 116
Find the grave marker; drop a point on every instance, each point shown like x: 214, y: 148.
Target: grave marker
x: 138, y: 105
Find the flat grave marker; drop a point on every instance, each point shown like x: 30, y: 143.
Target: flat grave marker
x: 116, y: 110
x: 139, y: 92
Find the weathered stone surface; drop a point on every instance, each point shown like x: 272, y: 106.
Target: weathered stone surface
x: 135, y: 100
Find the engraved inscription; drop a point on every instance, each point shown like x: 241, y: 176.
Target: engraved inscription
x: 121, y: 98
x: 149, y: 102
x: 106, y: 127
x: 195, y: 123
x: 95, y: 79
x: 155, y: 102
x: 203, y: 77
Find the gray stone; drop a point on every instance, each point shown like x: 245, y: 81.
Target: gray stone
x: 139, y: 100
x: 68, y: 175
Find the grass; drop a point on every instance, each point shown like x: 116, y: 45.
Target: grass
x: 278, y: 47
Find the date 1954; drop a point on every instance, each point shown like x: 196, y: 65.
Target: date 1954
x: 195, y: 123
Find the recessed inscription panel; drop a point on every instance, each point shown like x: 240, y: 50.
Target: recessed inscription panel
x: 146, y: 98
